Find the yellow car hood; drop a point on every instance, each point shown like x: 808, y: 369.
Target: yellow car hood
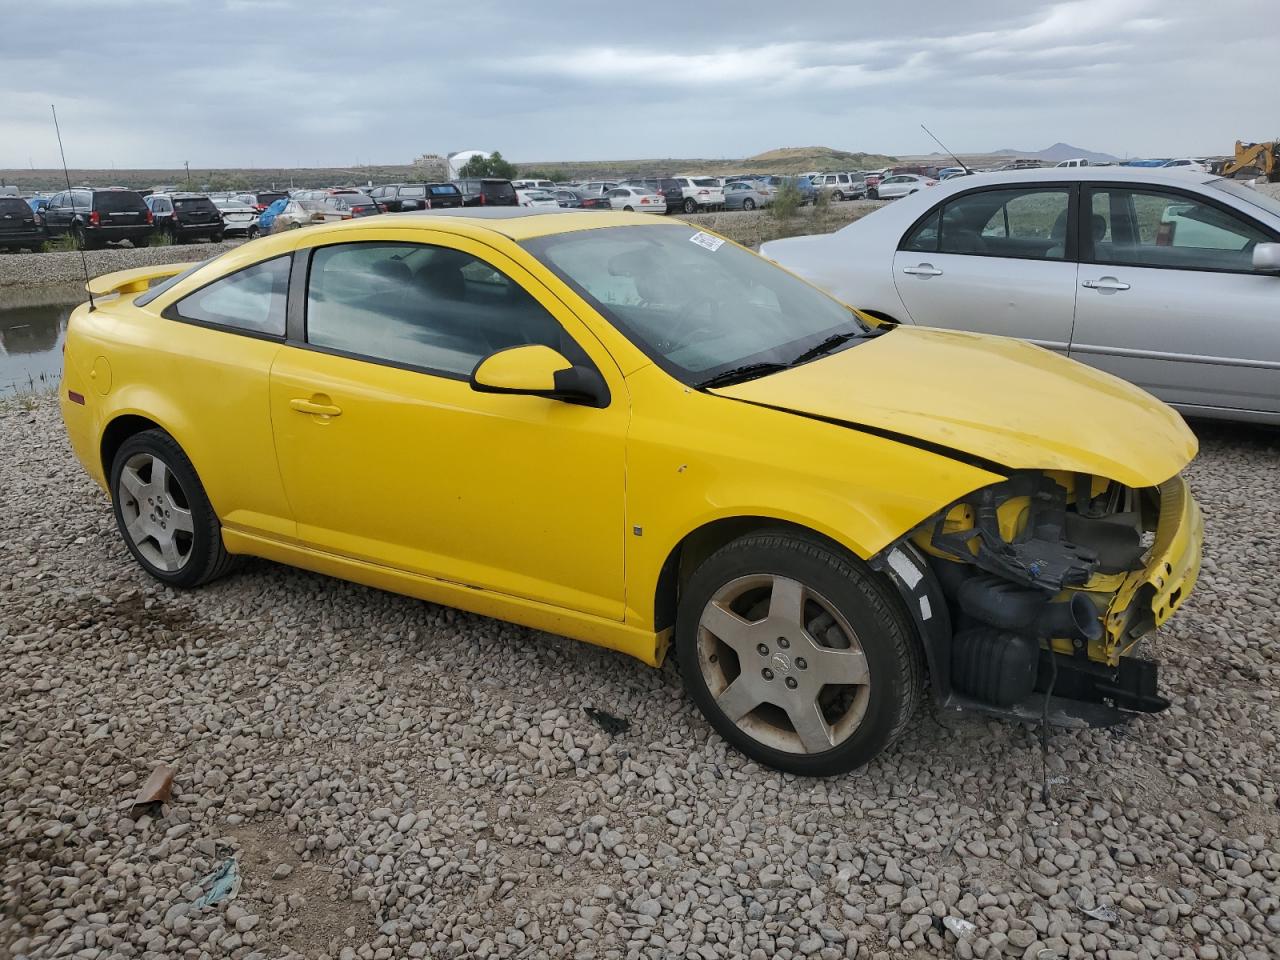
x: 999, y: 399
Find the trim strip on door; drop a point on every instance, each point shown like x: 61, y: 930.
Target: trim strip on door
x: 1178, y: 357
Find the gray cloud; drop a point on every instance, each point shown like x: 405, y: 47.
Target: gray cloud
x: 323, y: 82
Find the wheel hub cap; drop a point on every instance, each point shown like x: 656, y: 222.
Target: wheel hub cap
x: 783, y: 664
x: 157, y: 517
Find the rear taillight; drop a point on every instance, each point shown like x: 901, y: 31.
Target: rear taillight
x: 150, y: 217
x: 357, y: 210
x: 482, y: 200
x: 94, y: 218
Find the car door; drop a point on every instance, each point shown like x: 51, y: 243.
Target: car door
x: 1169, y: 300
x: 389, y: 456
x: 55, y: 219
x: 999, y: 260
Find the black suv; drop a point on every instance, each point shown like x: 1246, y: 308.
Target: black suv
x: 487, y: 192
x: 94, y: 217
x: 184, y: 217
x: 398, y: 197
x: 20, y: 226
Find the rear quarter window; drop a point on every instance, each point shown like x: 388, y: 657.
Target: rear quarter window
x: 118, y: 201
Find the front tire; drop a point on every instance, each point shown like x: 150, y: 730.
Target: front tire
x: 748, y: 204
x: 163, y: 513
x: 796, y: 654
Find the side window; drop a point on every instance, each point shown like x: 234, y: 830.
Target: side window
x: 252, y: 299
x: 924, y: 238
x: 428, y: 307
x: 1028, y: 224
x: 1153, y: 229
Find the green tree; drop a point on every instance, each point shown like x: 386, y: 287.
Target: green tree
x: 491, y: 166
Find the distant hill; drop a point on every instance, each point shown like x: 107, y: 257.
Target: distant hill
x: 1062, y: 151
x: 798, y: 159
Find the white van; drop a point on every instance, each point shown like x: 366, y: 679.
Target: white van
x: 1077, y: 162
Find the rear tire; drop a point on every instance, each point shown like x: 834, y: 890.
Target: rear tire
x: 216, y: 238
x: 838, y: 195
x: 629, y: 209
x: 251, y: 233
x: 746, y: 660
x: 690, y: 205
x: 873, y: 194
x: 164, y: 515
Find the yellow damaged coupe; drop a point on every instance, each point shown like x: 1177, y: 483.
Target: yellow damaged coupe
x: 635, y: 433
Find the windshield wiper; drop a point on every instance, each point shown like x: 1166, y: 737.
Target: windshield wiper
x: 826, y: 346
x: 747, y: 371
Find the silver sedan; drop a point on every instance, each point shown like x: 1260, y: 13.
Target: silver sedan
x: 1167, y: 279
x: 744, y: 195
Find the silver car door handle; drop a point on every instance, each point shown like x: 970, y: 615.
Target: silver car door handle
x: 1106, y: 283
x: 923, y: 270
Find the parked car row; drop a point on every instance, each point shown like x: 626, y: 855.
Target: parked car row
x: 96, y: 216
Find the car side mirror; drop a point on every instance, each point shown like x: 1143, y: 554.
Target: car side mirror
x: 1266, y: 257
x: 535, y: 370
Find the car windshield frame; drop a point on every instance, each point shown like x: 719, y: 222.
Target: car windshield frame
x: 847, y: 329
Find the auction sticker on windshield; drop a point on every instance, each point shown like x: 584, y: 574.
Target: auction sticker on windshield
x: 707, y: 240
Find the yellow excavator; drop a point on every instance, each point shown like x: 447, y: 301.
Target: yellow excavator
x: 1254, y: 160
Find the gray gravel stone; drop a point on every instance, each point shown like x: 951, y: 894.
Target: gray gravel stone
x: 398, y: 779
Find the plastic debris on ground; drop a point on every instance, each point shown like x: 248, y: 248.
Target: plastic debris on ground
x: 963, y: 929
x: 222, y: 884
x: 1105, y: 914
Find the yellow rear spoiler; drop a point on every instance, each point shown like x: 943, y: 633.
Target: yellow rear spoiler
x: 132, y: 281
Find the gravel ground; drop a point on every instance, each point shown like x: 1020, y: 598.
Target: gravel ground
x: 398, y: 779
x: 39, y: 269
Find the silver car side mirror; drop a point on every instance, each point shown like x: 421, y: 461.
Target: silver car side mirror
x: 1266, y: 257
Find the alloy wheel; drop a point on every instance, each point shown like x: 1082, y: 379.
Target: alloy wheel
x: 783, y: 664
x: 156, y: 512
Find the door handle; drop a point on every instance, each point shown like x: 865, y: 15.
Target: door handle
x: 1106, y: 283
x: 923, y: 270
x: 315, y: 408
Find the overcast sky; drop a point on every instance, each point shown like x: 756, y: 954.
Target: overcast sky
x: 234, y: 83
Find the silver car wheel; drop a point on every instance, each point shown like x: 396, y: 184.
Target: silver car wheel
x: 156, y: 512
x: 783, y: 664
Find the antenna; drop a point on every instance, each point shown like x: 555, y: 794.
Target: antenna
x: 944, y: 147
x: 71, y: 194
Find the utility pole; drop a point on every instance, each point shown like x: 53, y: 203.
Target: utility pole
x: 187, y: 165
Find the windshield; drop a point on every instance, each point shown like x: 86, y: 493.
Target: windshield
x: 1248, y: 195
x: 699, y: 306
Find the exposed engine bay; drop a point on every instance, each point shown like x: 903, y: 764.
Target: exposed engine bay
x: 1032, y: 593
